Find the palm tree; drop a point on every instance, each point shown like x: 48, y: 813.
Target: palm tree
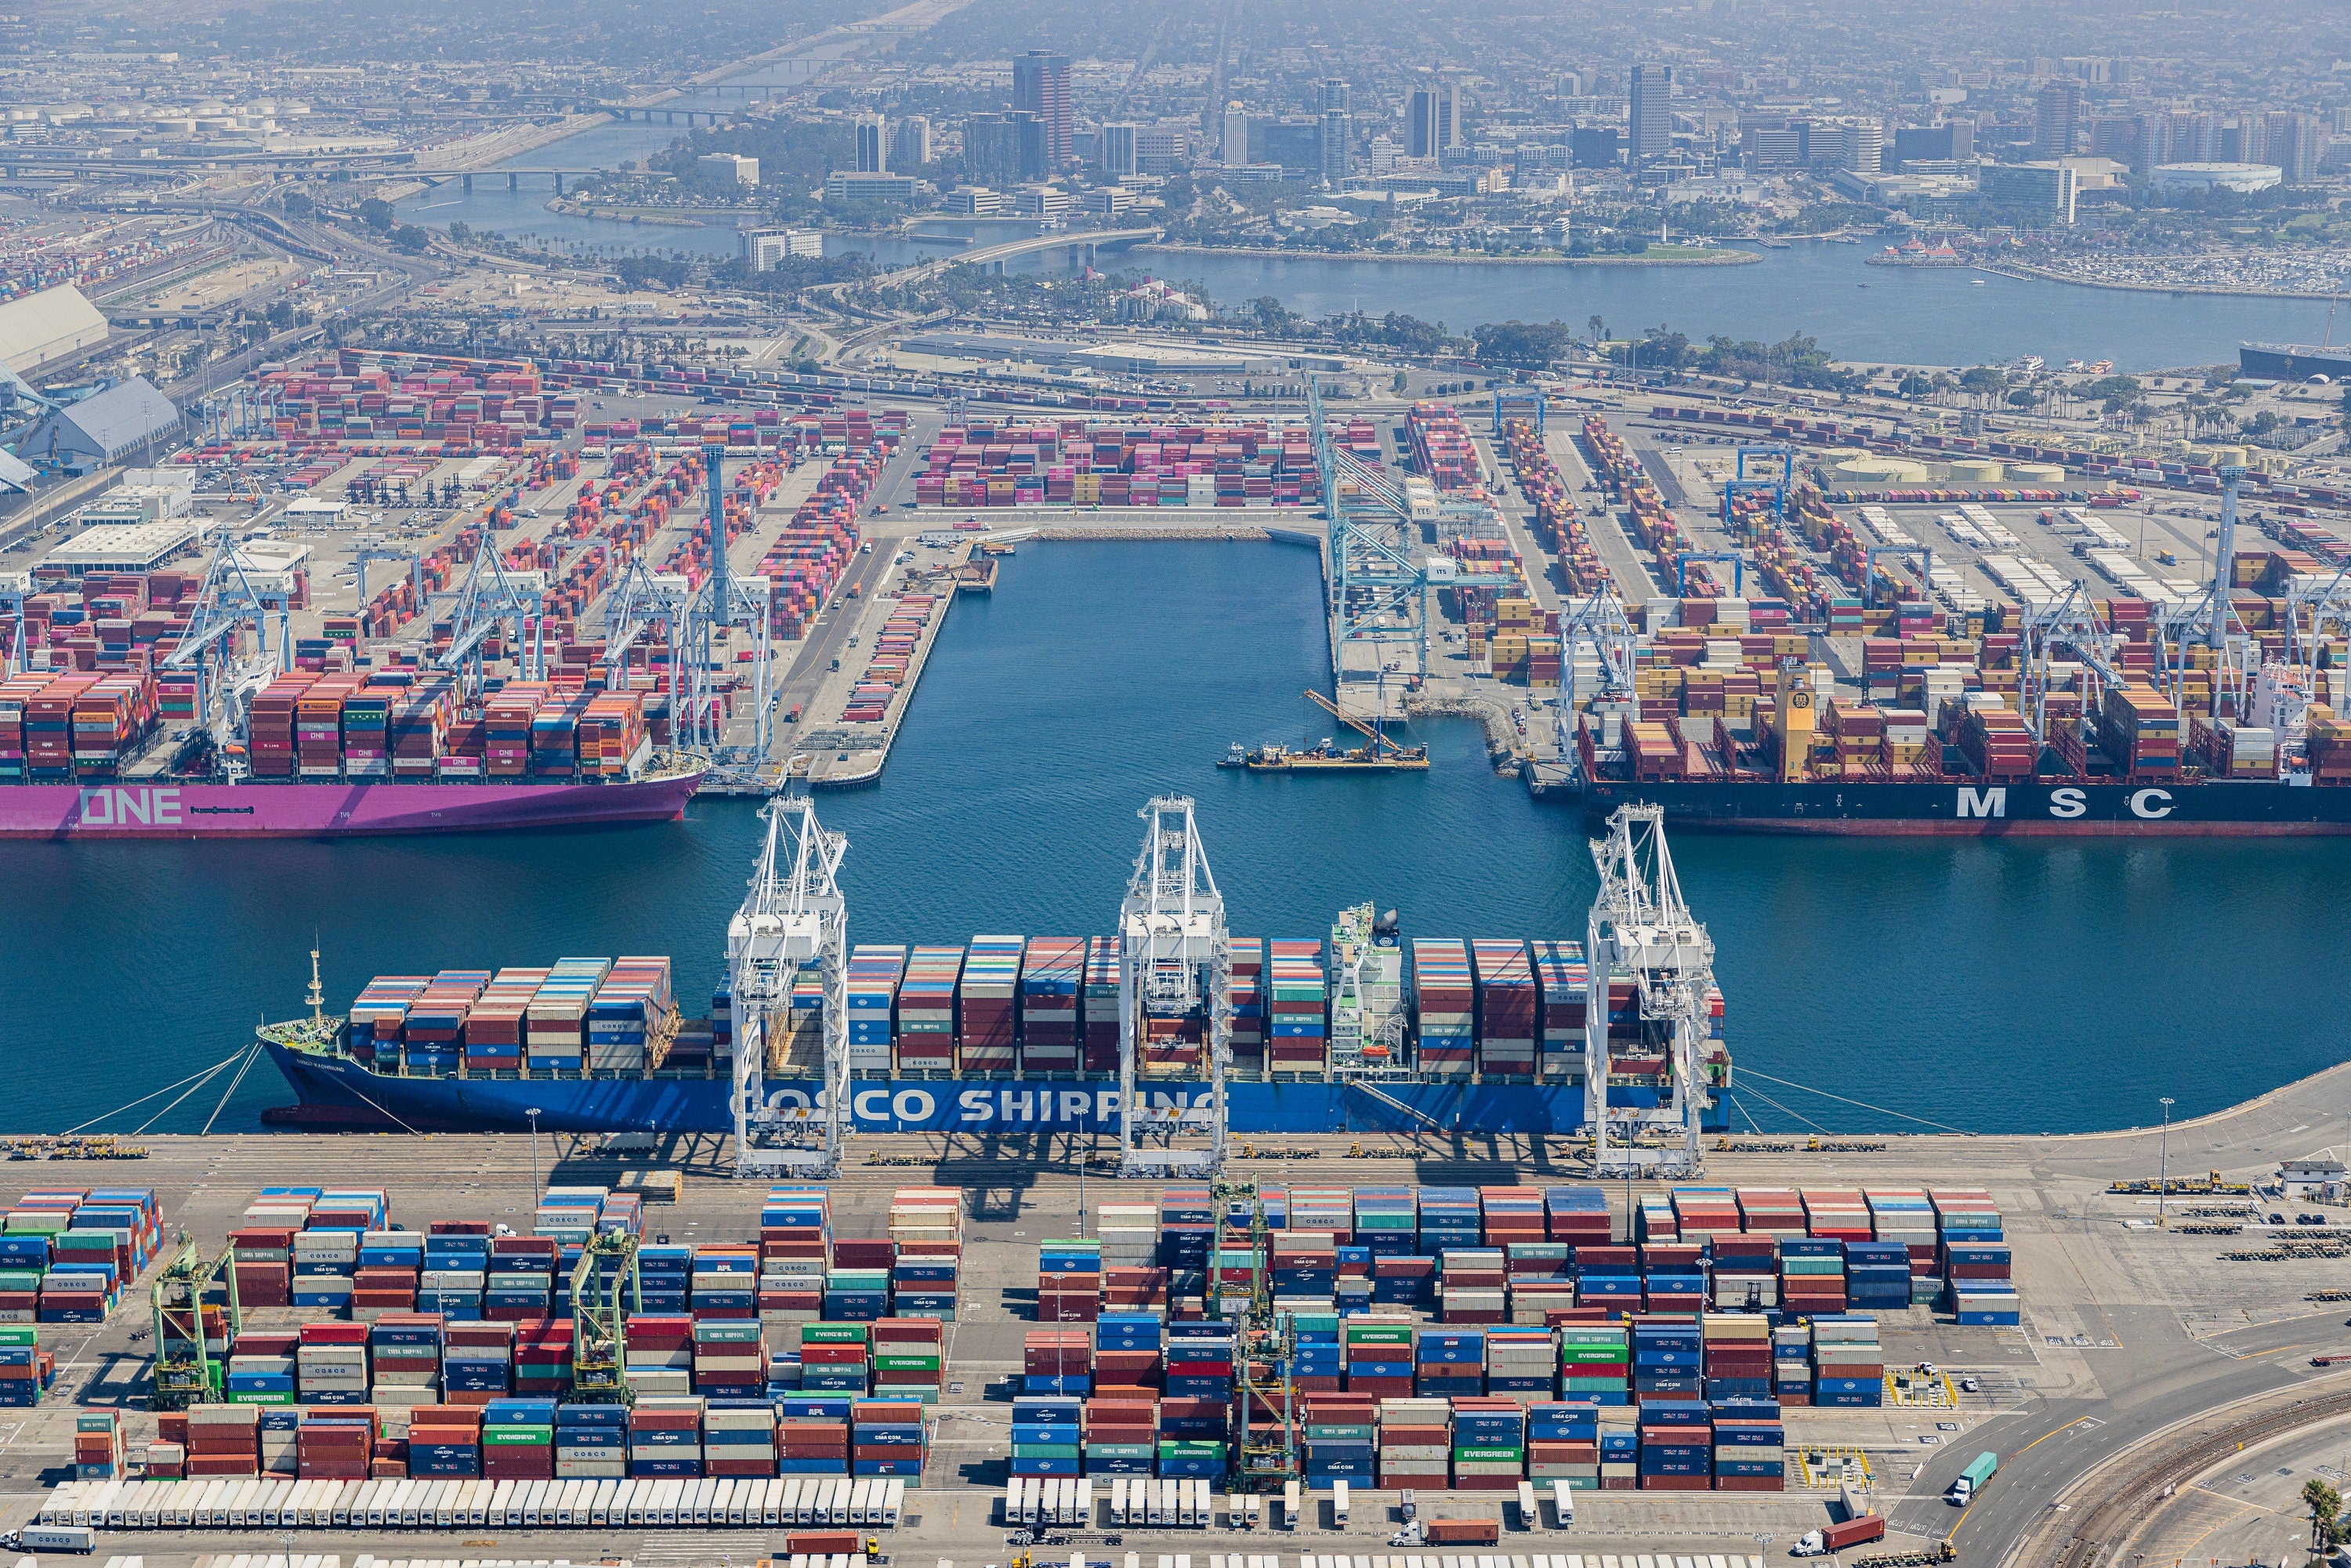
x: 2324, y: 1504
x: 1599, y: 330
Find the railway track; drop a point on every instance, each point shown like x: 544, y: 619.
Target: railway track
x: 2124, y: 1506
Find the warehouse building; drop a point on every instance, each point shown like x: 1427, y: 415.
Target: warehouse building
x: 124, y: 422
x: 126, y: 547
x: 41, y: 329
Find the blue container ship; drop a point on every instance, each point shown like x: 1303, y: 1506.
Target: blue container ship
x: 480, y: 1050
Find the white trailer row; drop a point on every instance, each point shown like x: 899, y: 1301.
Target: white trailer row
x: 263, y: 1502
x: 1036, y: 1503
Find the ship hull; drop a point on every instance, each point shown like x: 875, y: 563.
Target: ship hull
x: 153, y: 810
x: 336, y: 1091
x: 2039, y: 810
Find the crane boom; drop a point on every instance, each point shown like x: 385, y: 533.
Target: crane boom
x: 1369, y: 731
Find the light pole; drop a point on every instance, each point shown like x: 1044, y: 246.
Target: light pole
x: 287, y: 1540
x: 2163, y: 1168
x: 533, y: 1113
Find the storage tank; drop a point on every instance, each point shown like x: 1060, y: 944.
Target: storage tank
x: 2037, y: 473
x: 2231, y: 457
x: 1873, y: 469
x: 1974, y: 471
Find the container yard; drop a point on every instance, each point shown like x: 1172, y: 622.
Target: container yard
x: 1801, y: 662
x: 1710, y: 1363
x: 1087, y: 464
x: 519, y: 641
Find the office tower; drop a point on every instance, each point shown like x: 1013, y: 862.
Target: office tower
x: 2057, y: 114
x: 1332, y: 93
x: 1651, y: 112
x: 1118, y: 150
x: 1003, y: 149
x: 1040, y: 86
x: 1433, y: 119
x: 910, y: 143
x: 872, y: 144
x: 1338, y: 144
x: 1235, y: 150
x: 1864, y: 146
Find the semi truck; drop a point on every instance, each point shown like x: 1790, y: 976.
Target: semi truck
x: 1852, y: 1533
x: 1972, y: 1479
x: 78, y: 1538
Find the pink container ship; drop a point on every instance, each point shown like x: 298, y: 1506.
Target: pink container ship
x: 168, y: 809
x: 88, y: 754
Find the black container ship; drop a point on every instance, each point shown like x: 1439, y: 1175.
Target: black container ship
x: 2120, y: 771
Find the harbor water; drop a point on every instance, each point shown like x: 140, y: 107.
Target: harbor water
x: 1978, y: 985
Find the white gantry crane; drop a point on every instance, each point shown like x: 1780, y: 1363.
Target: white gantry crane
x: 492, y: 603
x: 232, y: 597
x: 793, y: 918
x: 1174, y: 963
x: 1599, y: 629
x: 725, y: 600
x: 1380, y: 574
x: 1640, y: 923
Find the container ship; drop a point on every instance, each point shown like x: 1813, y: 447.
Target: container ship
x: 1832, y: 697
x: 1948, y: 762
x: 1359, y: 1032
x: 329, y: 754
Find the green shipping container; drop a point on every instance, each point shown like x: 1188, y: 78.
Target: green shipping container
x: 833, y: 1333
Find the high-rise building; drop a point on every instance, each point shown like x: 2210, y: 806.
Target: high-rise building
x: 2057, y: 116
x: 1293, y: 141
x: 2029, y: 188
x: 1332, y: 92
x: 1040, y: 86
x: 1338, y: 148
x: 2189, y: 136
x: 1004, y: 149
x: 1765, y: 146
x: 872, y: 144
x: 1651, y: 112
x: 1162, y: 149
x: 1864, y: 146
x: 2292, y: 142
x: 1239, y: 131
x: 1594, y: 146
x: 1118, y: 150
x: 1949, y: 143
x: 1433, y: 119
x: 910, y: 142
